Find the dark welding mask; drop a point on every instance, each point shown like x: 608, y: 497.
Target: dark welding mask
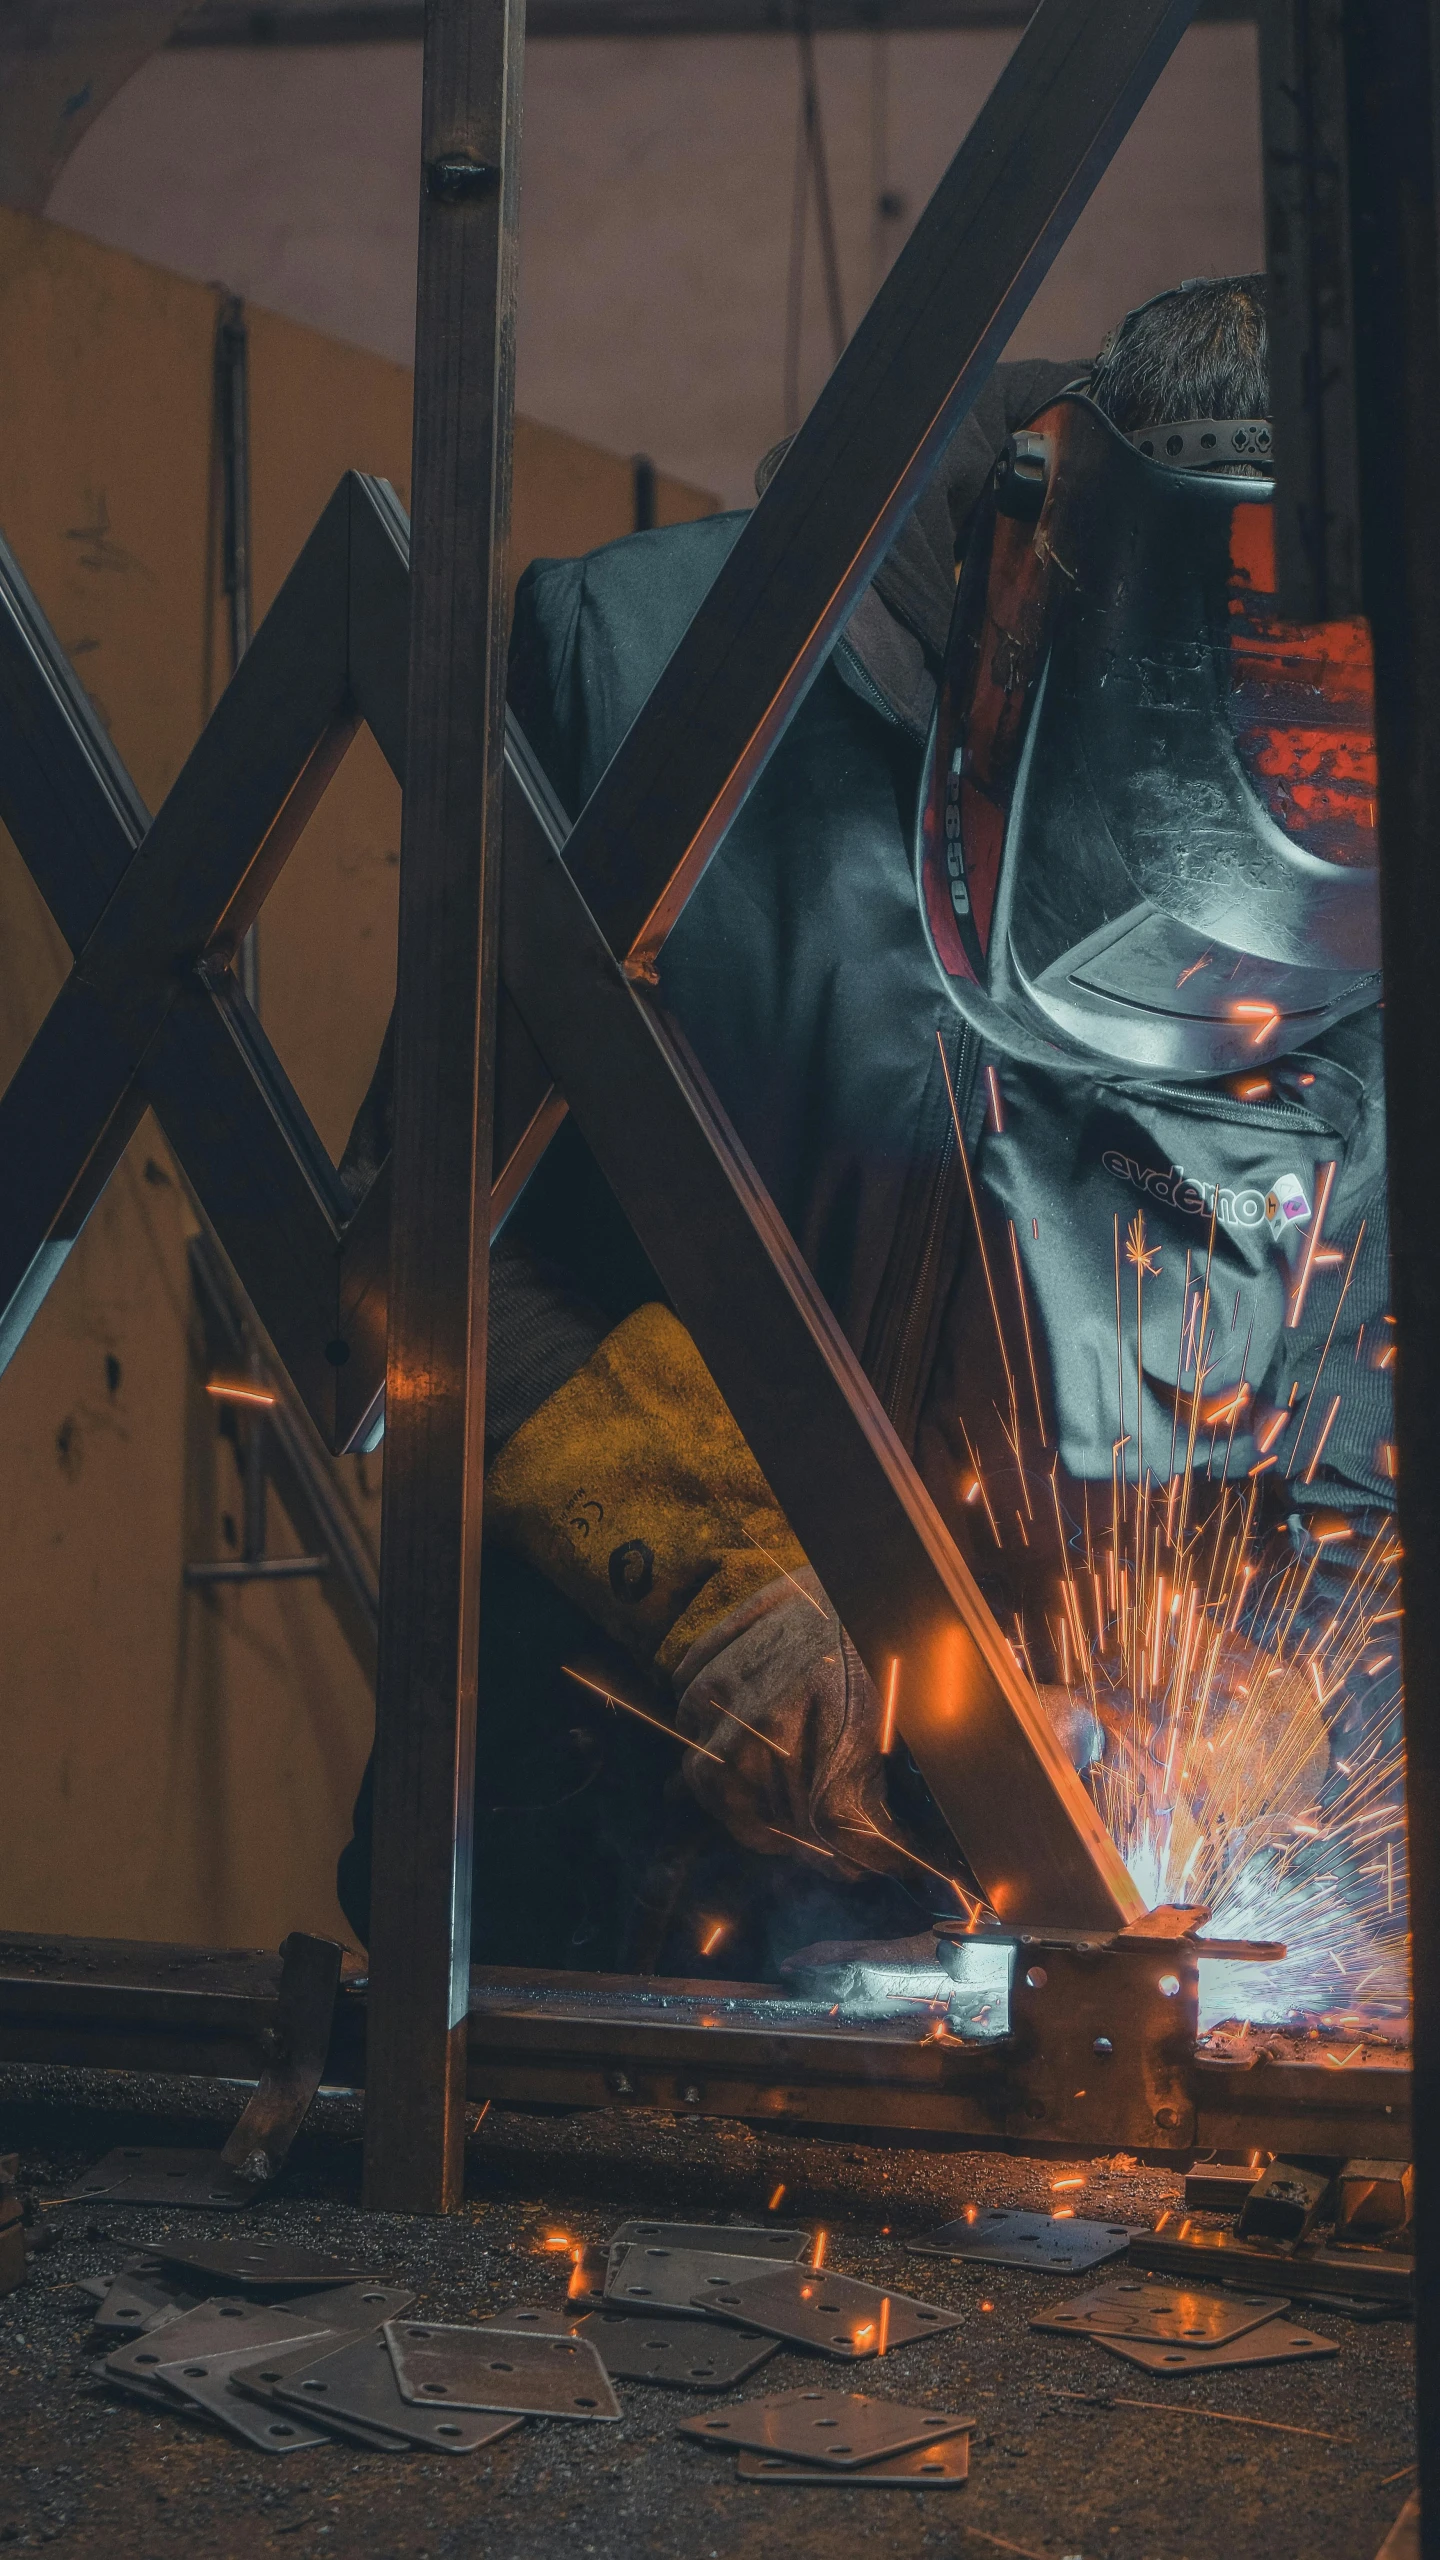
x: 1147, y: 832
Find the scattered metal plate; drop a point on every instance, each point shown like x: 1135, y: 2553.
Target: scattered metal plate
x: 1274, y: 2342
x: 1160, y: 2313
x: 152, y: 2395
x: 136, y: 2175
x: 652, y: 2277
x: 213, y: 2329
x: 693, y: 2355
x: 131, y: 2307
x: 204, y: 2383
x: 1177, y: 2247
x: 727, y: 2239
x: 488, y: 2368
x: 836, y: 2315
x: 540, y: 2320
x: 928, y: 2466
x: 358, y: 2384
x: 832, y: 2430
x: 349, y: 2306
x: 1064, y: 2246
x: 264, y: 2265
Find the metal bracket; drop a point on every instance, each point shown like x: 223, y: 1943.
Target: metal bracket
x: 294, y: 2046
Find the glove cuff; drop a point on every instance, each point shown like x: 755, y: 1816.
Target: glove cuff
x: 633, y: 1491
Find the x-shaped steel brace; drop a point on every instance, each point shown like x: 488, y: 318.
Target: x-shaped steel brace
x: 154, y: 910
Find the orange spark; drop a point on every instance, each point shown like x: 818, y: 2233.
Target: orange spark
x: 1056, y: 2184
x: 1255, y: 1009
x: 776, y: 2200
x: 237, y: 1391
x: 884, y: 2339
x: 612, y: 1701
x: 892, y: 1691
x: 713, y: 1936
x: 817, y: 2254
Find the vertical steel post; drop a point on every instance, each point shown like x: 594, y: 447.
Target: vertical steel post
x: 1392, y: 60
x: 450, y: 836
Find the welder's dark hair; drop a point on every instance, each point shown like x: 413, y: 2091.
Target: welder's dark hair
x: 1200, y: 352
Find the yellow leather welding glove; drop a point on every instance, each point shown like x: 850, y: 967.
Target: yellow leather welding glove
x: 633, y: 1491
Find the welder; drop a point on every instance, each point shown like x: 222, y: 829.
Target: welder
x: 1038, y: 976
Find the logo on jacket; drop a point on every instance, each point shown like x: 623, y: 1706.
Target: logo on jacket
x: 1283, y: 1207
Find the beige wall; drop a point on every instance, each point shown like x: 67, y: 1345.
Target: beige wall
x: 655, y: 206
x: 182, y: 1764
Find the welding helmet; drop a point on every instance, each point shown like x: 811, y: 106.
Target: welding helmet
x: 1147, y: 827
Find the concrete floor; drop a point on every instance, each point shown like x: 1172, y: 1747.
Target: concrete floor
x: 1064, y: 2465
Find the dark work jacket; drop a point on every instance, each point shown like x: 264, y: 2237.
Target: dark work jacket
x: 800, y: 974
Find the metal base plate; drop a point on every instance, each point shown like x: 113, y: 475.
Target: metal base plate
x: 930, y: 2466
x: 213, y: 2329
x: 269, y: 2266
x: 203, y: 2382
x: 132, y: 2306
x: 836, y: 2315
x: 358, y: 2384
x: 727, y: 2239
x: 995, y: 2239
x: 836, y: 2430
x: 505, y: 2369
x: 651, y: 2276
x: 1274, y: 2342
x: 135, y: 2175
x: 691, y: 2355
x: 1160, y: 2314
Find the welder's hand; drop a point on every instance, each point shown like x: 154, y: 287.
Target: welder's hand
x: 786, y: 1727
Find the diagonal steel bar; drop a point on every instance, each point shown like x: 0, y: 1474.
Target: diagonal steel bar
x: 239, y: 1132
x: 797, y: 1391
x: 918, y: 361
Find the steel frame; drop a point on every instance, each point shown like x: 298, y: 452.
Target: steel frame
x: 725, y: 2049
x: 152, y: 1014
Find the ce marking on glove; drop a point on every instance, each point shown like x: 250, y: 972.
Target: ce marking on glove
x: 582, y: 1513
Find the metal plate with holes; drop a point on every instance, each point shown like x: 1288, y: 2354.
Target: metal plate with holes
x: 928, y: 2466
x: 130, y: 2307
x: 650, y: 2277
x: 1274, y: 2342
x: 213, y: 2329
x: 153, y: 2395
x: 836, y: 2315
x: 542, y: 2321
x: 204, y: 2383
x: 995, y: 2239
x: 692, y: 2355
x: 1159, y: 2313
x: 836, y: 2430
x: 729, y: 2239
x: 358, y: 2385
x: 262, y: 2265
x: 134, y: 2175
x: 349, y: 2306
x: 503, y: 2369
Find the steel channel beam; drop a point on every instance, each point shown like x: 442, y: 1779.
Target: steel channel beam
x: 1392, y: 64
x: 843, y: 1478
x: 445, y: 1039
x: 589, y: 2040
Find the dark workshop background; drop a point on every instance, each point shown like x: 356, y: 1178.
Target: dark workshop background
x: 181, y: 1764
